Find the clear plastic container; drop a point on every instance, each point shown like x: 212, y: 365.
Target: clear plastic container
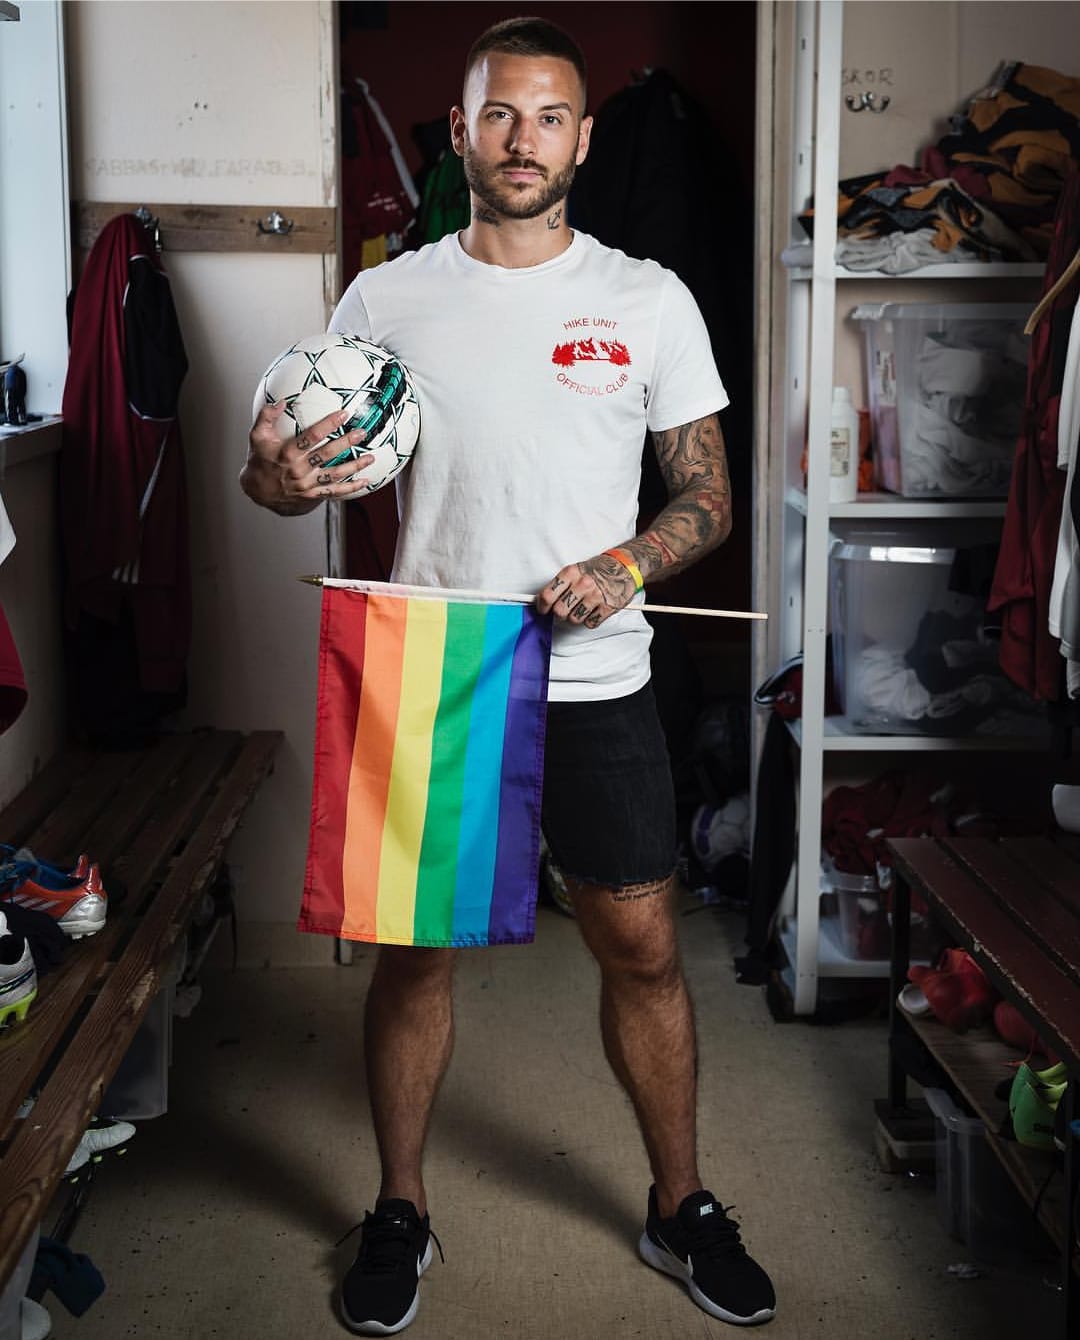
x: 910, y: 656
x: 946, y: 385
x: 861, y: 925
x: 139, y: 1089
x: 977, y: 1202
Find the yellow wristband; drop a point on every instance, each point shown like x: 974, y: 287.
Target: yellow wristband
x: 621, y: 556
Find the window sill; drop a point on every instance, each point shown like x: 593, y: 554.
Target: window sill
x: 29, y: 443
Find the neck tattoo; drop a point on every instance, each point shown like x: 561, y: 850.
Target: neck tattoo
x: 485, y: 214
x: 554, y: 218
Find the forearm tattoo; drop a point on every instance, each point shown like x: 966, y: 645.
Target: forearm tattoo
x: 698, y: 517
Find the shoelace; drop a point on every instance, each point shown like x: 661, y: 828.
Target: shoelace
x: 715, y: 1235
x: 386, y: 1242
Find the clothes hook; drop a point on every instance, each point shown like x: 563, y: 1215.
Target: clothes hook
x: 866, y: 102
x: 276, y: 224
x: 149, y: 221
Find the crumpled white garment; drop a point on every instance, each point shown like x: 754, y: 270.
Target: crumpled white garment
x: 885, y: 685
x: 895, y: 253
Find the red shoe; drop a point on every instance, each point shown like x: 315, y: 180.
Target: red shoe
x: 956, y: 990
x: 77, y: 905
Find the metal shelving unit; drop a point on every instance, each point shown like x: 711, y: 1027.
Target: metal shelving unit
x: 812, y: 278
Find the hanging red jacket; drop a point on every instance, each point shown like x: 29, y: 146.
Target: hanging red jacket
x: 123, y: 498
x: 1025, y: 568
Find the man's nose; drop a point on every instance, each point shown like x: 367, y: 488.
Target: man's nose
x: 523, y: 140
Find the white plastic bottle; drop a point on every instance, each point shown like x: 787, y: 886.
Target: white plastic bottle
x: 843, y: 448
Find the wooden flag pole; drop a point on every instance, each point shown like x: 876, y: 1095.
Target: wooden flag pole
x: 502, y: 597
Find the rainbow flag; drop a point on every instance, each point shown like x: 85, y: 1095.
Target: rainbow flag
x: 429, y: 763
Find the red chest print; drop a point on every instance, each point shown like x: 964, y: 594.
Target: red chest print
x: 591, y: 351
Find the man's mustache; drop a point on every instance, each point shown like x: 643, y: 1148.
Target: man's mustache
x: 523, y: 165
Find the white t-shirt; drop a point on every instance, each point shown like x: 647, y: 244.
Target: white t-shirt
x: 536, y: 387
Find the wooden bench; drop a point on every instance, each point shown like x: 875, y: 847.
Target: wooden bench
x: 1014, y: 905
x: 157, y: 821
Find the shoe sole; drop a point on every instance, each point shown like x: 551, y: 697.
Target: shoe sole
x: 663, y: 1261
x: 381, y: 1328
x: 10, y: 1015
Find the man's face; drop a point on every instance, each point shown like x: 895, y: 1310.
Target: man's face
x: 521, y: 132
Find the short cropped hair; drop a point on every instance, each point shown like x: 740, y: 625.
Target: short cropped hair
x: 528, y: 37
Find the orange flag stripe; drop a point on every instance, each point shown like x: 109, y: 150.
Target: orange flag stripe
x: 373, y: 751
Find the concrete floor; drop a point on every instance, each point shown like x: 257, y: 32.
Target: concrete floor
x: 221, y: 1219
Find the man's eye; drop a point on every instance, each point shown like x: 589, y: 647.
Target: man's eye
x: 553, y: 120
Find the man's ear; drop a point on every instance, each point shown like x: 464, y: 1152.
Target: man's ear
x: 584, y: 134
x: 457, y: 130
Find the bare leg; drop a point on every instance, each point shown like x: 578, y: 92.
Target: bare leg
x: 647, y: 1023
x: 408, y: 1038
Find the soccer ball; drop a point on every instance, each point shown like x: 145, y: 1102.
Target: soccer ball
x: 328, y: 373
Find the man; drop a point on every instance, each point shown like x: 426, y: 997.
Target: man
x: 540, y: 357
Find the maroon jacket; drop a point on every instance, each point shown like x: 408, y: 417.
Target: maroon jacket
x: 123, y: 498
x: 1030, y: 655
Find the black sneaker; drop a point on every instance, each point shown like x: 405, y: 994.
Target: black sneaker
x: 379, y: 1294
x: 700, y: 1246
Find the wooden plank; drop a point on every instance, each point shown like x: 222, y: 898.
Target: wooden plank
x: 1053, y: 865
x: 41, y: 795
x: 40, y: 1150
x: 1017, y: 890
x: 144, y: 864
x: 58, y: 837
x: 151, y: 775
x: 218, y: 227
x: 1017, y: 966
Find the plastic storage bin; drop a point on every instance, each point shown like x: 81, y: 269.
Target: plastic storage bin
x: 909, y: 653
x: 977, y: 1202
x: 861, y: 924
x: 946, y: 389
x: 856, y: 913
x: 140, y: 1087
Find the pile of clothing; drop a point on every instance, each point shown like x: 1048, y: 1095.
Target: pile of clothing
x: 987, y: 190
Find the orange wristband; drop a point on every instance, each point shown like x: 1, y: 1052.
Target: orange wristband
x: 621, y: 556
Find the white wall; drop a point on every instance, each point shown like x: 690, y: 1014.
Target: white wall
x: 211, y: 103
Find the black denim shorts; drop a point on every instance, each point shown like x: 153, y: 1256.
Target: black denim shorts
x: 609, y: 803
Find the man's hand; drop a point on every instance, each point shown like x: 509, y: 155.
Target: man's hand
x: 291, y: 477
x: 589, y: 592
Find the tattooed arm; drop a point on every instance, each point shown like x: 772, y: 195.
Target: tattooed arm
x: 696, y: 519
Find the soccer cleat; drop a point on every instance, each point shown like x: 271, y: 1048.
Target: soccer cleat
x: 18, y: 976
x: 1039, y: 1080
x: 78, y: 905
x: 23, y: 855
x: 700, y: 1245
x: 1034, y: 1112
x: 380, y: 1294
x: 106, y: 1135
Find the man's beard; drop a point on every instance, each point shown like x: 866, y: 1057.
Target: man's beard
x: 503, y: 197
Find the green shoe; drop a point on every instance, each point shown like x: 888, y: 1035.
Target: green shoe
x: 1026, y: 1078
x: 1033, y: 1115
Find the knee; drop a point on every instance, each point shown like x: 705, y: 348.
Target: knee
x: 640, y: 962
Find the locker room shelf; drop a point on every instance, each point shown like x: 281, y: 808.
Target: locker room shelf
x: 881, y: 506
